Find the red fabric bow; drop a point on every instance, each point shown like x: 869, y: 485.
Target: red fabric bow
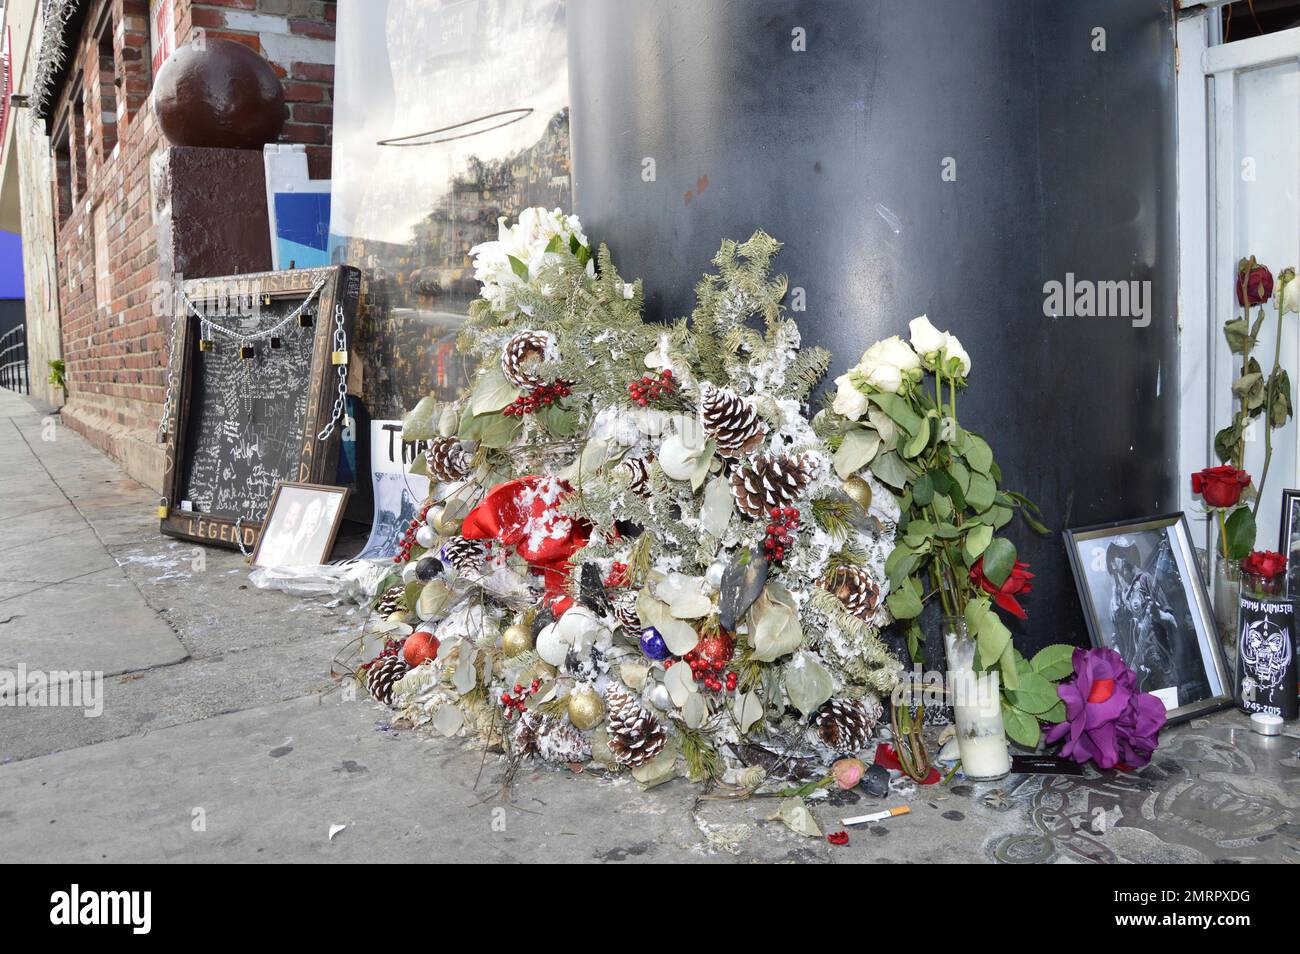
x: 524, y: 514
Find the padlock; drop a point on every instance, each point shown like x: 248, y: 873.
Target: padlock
x: 339, y: 357
x: 207, y: 344
x: 305, y: 320
x: 162, y: 511
x: 247, y: 352
x: 276, y: 343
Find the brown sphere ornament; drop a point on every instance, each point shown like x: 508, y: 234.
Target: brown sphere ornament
x: 586, y: 708
x: 516, y: 639
x: 859, y: 490
x: 219, y: 95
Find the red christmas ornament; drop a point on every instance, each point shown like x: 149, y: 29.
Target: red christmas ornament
x: 420, y: 645
x: 716, y: 650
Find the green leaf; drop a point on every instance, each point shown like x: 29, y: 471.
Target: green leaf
x: 942, y: 506
x: 1054, y: 714
x: 1035, y: 694
x: 556, y: 244
x: 919, y: 441
x: 946, y: 531
x: 890, y: 469
x: 960, y: 475
x: 856, y: 451
x: 999, y: 559
x: 980, y: 495
x: 992, y: 638
x: 899, y: 411
x: 518, y: 267
x: 976, y: 541
x: 1009, y: 664
x: 558, y: 421
x: 1054, y: 662
x: 492, y: 392
x: 1226, y: 441
x: 1240, y: 528
x: 923, y: 490
x: 978, y: 454
x: 904, y: 602
x: 1022, y: 728
x: 900, y: 563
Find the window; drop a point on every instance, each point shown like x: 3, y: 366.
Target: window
x: 62, y: 174
x: 106, y: 87
x: 1239, y: 195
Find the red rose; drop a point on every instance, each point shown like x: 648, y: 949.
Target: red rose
x: 1017, y: 582
x: 1264, y: 563
x: 1254, y: 283
x: 1220, y: 486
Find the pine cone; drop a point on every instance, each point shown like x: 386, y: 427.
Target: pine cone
x: 731, y: 422
x: 464, y: 555
x: 624, y: 602
x: 638, y: 471
x: 523, y: 738
x: 846, y: 724
x: 770, y: 480
x: 635, y: 735
x: 383, y: 674
x: 447, y: 459
x: 521, y: 353
x: 855, y: 588
x: 391, y: 600
x: 560, y: 741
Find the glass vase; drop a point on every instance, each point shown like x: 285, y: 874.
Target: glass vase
x: 1227, y: 601
x: 977, y: 708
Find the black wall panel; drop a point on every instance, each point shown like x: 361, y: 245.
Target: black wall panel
x: 1064, y: 164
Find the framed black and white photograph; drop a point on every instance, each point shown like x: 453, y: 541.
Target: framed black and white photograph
x: 301, y: 524
x: 1289, y: 544
x: 1143, y: 596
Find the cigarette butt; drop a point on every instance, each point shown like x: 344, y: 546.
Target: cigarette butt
x: 875, y: 816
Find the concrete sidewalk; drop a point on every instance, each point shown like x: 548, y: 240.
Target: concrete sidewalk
x: 224, y: 737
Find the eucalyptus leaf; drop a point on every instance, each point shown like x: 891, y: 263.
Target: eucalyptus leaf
x: 899, y: 411
x: 856, y: 451
x: 808, y: 683
x: 680, y: 684
x: 492, y: 392
x: 719, y: 504
x: 905, y: 602
x: 999, y: 560
x: 890, y: 469
x: 747, y: 709
x: 420, y: 422
x: 977, y: 539
x: 978, y: 454
x: 798, y: 818
x: 919, y: 441
x: 448, y: 720
x: 980, y: 495
x: 774, y: 628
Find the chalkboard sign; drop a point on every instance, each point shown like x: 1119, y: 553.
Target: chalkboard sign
x: 256, y: 362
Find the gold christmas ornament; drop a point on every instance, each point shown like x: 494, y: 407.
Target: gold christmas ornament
x: 517, y: 639
x: 859, y: 490
x: 586, y: 708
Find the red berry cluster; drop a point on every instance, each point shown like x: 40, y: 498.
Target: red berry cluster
x: 538, y: 398
x: 617, y: 575
x: 707, y: 671
x: 391, y: 648
x: 652, y: 386
x: 780, y: 532
x: 408, y: 537
x: 516, y: 700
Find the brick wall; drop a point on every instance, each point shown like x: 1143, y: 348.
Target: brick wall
x: 114, y: 339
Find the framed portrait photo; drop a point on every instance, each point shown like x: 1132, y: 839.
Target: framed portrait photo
x: 1144, y: 597
x: 1289, y: 544
x: 301, y: 523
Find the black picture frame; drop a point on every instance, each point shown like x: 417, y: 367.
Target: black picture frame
x: 1287, y: 544
x: 1190, y: 608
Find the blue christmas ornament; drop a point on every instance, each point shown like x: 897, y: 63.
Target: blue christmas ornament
x: 652, y: 644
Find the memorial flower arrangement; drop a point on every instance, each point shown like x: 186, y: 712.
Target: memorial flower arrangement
x: 895, y: 417
x: 640, y: 548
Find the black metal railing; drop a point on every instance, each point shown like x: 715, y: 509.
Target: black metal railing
x: 13, y: 360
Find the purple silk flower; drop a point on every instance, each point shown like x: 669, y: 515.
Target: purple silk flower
x: 1107, y: 720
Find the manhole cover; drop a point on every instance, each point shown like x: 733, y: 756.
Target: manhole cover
x: 1024, y: 850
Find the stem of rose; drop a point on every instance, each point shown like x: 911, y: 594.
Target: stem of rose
x: 1223, y: 533
x: 1268, y: 413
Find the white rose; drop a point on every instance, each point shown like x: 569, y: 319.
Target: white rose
x: 885, y: 362
x: 1288, y: 291
x: 849, y: 401
x: 927, y: 339
x: 953, y: 351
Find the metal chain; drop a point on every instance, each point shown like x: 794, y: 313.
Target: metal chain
x: 261, y: 334
x: 165, y: 423
x: 338, y: 345
x: 239, y: 535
